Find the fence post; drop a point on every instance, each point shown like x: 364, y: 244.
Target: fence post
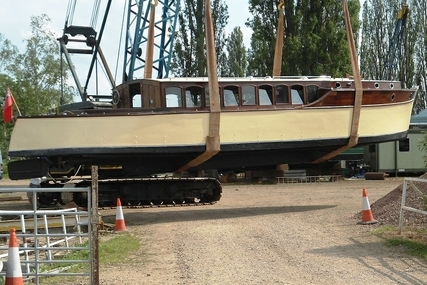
x: 94, y: 224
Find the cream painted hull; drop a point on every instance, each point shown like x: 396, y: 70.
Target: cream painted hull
x: 177, y: 130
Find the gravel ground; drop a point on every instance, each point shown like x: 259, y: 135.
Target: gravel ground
x: 266, y: 234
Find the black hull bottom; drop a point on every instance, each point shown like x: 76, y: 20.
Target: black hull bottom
x: 151, y: 161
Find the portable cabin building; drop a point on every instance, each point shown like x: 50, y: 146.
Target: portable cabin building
x: 401, y: 157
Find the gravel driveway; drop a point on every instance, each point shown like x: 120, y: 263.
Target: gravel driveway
x: 267, y: 234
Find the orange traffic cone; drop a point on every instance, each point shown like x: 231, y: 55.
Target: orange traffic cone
x: 13, y: 267
x: 367, y: 217
x: 120, y: 220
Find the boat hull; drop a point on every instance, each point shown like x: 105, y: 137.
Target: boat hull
x: 155, y: 143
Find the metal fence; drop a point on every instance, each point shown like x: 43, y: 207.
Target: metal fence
x: 408, y: 183
x: 49, y: 239
x: 308, y: 179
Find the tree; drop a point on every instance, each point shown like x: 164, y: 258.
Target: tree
x: 417, y: 31
x: 315, y: 41
x: 236, y: 59
x: 379, y: 45
x: 34, y: 76
x: 38, y: 71
x: 189, y: 56
x: 8, y: 53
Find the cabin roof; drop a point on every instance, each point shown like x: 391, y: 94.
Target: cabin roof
x: 267, y: 79
x: 249, y: 78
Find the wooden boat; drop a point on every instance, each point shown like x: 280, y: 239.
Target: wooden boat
x: 162, y: 125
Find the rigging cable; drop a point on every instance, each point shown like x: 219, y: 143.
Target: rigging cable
x: 70, y: 12
x: 95, y: 13
x: 120, y: 40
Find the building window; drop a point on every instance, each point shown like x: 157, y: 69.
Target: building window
x: 404, y: 145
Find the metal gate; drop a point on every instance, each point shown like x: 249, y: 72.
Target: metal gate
x: 49, y: 239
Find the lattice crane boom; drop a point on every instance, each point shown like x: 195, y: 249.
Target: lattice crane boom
x: 137, y: 36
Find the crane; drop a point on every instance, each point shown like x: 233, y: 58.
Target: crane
x: 138, y: 22
x: 86, y: 40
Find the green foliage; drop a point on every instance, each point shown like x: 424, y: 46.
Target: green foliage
x: 414, y: 248
x: 112, y: 250
x: 377, y: 46
x: 189, y: 56
x: 422, y: 145
x: 236, y: 61
x: 413, y: 240
x: 33, y: 76
x: 315, y: 41
x: 37, y: 71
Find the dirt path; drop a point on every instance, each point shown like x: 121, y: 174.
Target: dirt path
x: 268, y: 234
x: 265, y: 234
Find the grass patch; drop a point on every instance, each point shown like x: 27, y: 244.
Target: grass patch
x: 116, y: 249
x: 112, y: 248
x: 413, y: 240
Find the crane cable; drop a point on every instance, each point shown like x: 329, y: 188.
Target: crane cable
x: 70, y: 12
x: 95, y: 13
x: 71, y: 8
x: 120, y: 39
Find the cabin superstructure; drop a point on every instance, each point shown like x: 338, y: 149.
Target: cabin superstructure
x: 247, y: 93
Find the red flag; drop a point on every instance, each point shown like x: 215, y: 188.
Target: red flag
x: 7, y: 107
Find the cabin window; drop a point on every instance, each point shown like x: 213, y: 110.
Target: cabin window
x: 282, y: 94
x: 404, y: 145
x: 207, y: 98
x: 297, y: 92
x: 231, y: 95
x: 173, y: 97
x: 193, y: 96
x: 248, y: 95
x: 265, y: 95
x: 137, y: 101
x: 312, y: 93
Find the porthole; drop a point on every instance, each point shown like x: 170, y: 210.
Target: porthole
x: 393, y: 96
x: 391, y: 85
x: 338, y: 84
x: 116, y: 97
x: 376, y: 85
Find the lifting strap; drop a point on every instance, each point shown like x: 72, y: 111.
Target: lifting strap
x: 354, y: 131
x: 213, y: 143
x: 278, y: 51
x: 148, y: 70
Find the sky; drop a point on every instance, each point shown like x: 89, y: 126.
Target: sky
x: 15, y: 22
